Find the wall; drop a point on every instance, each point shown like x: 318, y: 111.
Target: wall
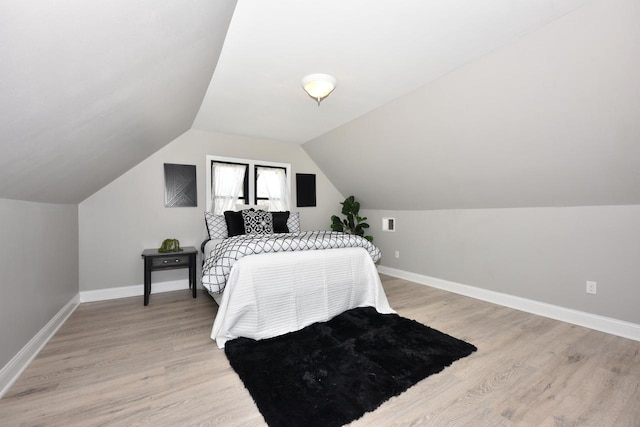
x: 128, y: 215
x: 39, y: 265
x: 549, y: 120
x: 517, y: 172
x: 543, y: 254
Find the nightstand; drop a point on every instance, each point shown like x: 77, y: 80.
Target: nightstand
x: 156, y: 261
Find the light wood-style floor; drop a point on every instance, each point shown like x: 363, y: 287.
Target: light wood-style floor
x: 118, y: 363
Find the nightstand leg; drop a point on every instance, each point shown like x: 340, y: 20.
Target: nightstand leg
x: 192, y: 274
x: 147, y: 280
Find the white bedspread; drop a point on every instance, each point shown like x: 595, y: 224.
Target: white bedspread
x: 274, y: 293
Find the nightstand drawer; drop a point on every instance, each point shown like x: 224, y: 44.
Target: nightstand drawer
x: 170, y: 261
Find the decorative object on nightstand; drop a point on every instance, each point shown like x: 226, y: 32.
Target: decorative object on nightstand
x: 170, y: 245
x: 154, y: 260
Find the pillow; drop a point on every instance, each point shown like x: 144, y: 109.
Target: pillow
x: 216, y: 226
x: 280, y: 222
x: 257, y: 222
x: 235, y: 223
x: 293, y: 223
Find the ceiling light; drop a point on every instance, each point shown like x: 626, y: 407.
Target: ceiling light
x: 318, y: 86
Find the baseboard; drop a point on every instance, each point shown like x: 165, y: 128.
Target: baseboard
x: 592, y: 321
x: 12, y: 370
x: 132, y: 291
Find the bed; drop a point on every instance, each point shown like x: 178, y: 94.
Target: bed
x: 268, y: 284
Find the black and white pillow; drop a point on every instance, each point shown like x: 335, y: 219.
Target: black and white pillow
x: 257, y: 222
x: 293, y: 223
x: 216, y: 226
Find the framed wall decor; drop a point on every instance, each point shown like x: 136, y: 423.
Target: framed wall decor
x: 305, y: 189
x: 180, y: 186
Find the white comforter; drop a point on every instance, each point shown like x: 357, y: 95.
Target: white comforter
x: 274, y: 293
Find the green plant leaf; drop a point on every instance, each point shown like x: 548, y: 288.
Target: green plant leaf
x: 353, y: 223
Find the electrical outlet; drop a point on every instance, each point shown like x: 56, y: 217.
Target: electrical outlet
x: 397, y: 254
x: 591, y: 287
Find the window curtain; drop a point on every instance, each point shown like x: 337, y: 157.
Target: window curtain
x: 273, y: 183
x: 227, y: 186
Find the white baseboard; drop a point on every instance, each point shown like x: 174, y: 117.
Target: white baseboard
x: 132, y: 291
x: 592, y: 321
x: 12, y: 370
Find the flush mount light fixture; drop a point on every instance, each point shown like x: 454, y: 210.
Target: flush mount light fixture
x: 318, y: 86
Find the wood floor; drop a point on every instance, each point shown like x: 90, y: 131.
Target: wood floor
x: 118, y: 363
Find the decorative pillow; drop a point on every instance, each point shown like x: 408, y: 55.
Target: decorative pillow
x: 216, y: 226
x: 257, y: 222
x: 293, y: 223
x: 280, y: 222
x: 235, y: 223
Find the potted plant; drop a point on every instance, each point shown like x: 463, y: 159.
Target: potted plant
x: 353, y: 223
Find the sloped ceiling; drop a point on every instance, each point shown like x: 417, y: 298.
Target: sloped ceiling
x: 551, y: 120
x: 90, y: 88
x: 378, y: 50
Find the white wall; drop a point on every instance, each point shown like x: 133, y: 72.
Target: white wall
x: 128, y: 215
x: 39, y: 268
x: 543, y: 254
x: 550, y: 120
x: 517, y: 172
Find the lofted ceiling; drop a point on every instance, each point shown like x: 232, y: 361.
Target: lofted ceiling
x: 377, y: 50
x: 550, y: 120
x: 89, y: 89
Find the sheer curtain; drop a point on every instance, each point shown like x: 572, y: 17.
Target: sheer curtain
x: 227, y: 185
x: 273, y: 183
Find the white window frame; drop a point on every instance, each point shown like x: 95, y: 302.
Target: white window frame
x: 251, y: 164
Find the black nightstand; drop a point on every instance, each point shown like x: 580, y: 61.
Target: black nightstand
x: 154, y: 261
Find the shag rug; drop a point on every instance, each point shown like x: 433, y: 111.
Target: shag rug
x: 331, y: 373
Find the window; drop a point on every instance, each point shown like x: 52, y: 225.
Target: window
x: 230, y: 185
x: 233, y: 184
x: 271, y: 188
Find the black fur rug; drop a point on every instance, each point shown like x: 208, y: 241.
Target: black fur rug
x: 331, y: 373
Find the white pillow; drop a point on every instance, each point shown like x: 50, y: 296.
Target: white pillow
x: 216, y: 226
x: 293, y: 223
